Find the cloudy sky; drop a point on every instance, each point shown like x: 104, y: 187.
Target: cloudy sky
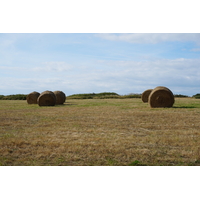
x: 92, y: 62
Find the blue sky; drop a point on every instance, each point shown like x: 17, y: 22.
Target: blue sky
x: 92, y: 62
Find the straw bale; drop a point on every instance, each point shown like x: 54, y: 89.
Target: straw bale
x: 60, y: 97
x: 161, y: 97
x: 46, y: 98
x: 32, y: 97
x: 145, y: 95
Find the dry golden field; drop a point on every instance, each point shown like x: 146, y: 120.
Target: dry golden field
x: 100, y: 132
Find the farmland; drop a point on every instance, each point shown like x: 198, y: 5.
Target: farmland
x: 100, y: 132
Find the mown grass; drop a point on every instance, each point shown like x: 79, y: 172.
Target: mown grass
x: 96, y: 132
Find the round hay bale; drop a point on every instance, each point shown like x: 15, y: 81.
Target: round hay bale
x: 161, y: 97
x: 60, y: 97
x: 46, y: 98
x: 32, y: 97
x: 145, y: 95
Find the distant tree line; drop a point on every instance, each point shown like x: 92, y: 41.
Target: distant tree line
x: 103, y: 95
x: 197, y: 96
x: 180, y: 95
x: 13, y: 97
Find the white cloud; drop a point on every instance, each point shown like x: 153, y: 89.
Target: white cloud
x: 129, y: 76
x: 195, y: 49
x: 53, y: 67
x: 152, y: 37
x: 47, y: 67
x: 180, y: 75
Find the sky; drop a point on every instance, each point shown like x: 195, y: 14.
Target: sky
x: 90, y: 62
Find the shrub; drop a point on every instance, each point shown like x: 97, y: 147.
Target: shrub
x: 132, y: 95
x: 15, y: 97
x: 1, y: 96
x: 81, y: 96
x: 196, y: 96
x: 103, y: 95
x: 180, y: 95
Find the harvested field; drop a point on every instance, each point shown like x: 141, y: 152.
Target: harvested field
x: 98, y: 132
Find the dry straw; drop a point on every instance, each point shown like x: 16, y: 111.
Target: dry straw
x: 32, y: 97
x: 161, y: 97
x: 60, y: 97
x: 46, y: 98
x: 145, y: 95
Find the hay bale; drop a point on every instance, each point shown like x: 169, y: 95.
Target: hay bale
x: 60, y: 97
x: 46, y: 98
x: 32, y: 97
x: 161, y: 97
x: 145, y: 95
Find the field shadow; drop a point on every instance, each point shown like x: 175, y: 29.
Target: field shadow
x: 69, y: 104
x: 185, y: 107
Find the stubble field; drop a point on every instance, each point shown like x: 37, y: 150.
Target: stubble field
x: 100, y: 132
